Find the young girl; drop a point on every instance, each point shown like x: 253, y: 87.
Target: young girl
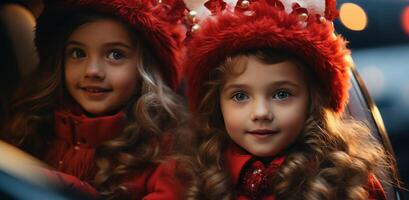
x: 268, y: 81
x: 100, y: 109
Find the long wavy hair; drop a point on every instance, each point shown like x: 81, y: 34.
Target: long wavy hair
x: 331, y: 159
x: 154, y: 114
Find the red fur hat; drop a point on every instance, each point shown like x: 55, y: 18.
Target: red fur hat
x: 303, y: 27
x: 157, y: 22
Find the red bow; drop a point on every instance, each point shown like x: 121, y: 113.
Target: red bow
x: 256, y: 182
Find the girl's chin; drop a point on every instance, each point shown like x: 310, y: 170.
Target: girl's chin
x: 262, y: 153
x: 99, y: 112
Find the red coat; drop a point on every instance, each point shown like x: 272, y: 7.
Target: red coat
x: 72, y: 153
x: 237, y: 158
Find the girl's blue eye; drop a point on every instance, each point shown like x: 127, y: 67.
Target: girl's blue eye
x: 77, y: 53
x: 240, y: 97
x: 116, y: 55
x: 281, y: 95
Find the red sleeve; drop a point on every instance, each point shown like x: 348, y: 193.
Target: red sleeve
x: 375, y: 189
x: 164, y: 185
x: 69, y: 182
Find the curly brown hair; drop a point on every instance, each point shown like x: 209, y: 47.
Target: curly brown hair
x: 155, y: 112
x: 331, y: 159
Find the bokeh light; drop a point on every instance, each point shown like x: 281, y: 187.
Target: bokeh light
x: 374, y: 79
x: 405, y: 19
x: 405, y: 92
x: 353, y: 16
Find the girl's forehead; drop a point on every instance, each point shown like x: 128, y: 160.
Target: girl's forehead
x: 102, y: 30
x: 254, y: 71
x: 235, y: 65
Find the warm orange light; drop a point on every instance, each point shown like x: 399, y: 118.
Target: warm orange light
x: 353, y: 16
x: 405, y: 20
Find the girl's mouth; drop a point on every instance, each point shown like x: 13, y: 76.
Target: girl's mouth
x: 263, y: 131
x: 95, y: 93
x: 95, y: 89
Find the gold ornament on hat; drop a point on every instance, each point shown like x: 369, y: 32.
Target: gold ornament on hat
x: 322, y: 19
x: 192, y: 16
x: 249, y: 13
x: 303, y: 17
x: 245, y: 4
x: 195, y: 28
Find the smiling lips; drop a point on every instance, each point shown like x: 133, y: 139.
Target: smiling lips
x: 263, y: 132
x: 95, y: 91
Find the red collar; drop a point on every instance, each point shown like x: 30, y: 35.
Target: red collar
x: 77, y: 128
x: 237, y: 158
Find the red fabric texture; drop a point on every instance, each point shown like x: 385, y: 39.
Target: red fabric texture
x: 375, y: 189
x: 261, y: 26
x: 331, y: 11
x: 241, y: 164
x: 257, y: 178
x: 71, y: 153
x: 77, y: 136
x: 158, y: 24
x: 68, y: 182
x: 237, y: 159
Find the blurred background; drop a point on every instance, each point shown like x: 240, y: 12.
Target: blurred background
x: 378, y: 31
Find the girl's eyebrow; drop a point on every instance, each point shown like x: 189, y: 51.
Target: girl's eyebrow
x: 273, y: 84
x: 235, y: 86
x: 74, y: 42
x: 285, y: 82
x: 118, y: 44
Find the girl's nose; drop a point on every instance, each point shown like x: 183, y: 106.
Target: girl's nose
x: 94, y: 69
x: 262, y: 111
